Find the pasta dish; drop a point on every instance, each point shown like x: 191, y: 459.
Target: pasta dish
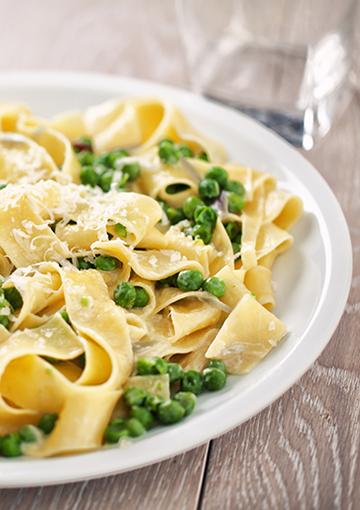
x: 136, y: 272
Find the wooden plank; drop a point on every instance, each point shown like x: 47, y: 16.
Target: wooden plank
x: 176, y: 482
x: 303, y: 451
x: 113, y: 37
x: 129, y: 38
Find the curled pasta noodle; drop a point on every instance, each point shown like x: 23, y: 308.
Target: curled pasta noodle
x: 112, y: 248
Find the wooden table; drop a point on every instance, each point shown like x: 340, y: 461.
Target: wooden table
x: 303, y: 451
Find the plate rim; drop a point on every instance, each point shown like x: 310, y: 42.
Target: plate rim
x: 29, y: 473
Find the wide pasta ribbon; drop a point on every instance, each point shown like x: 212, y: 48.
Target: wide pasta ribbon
x: 66, y: 344
x: 149, y: 264
x: 247, y: 335
x: 135, y: 123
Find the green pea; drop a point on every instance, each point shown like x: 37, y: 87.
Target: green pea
x: 115, y: 431
x: 134, y: 396
x: 86, y: 158
x: 236, y: 203
x: 214, y: 379
x: 170, y: 281
x: 165, y: 207
x: 122, y: 181
x: 89, y: 176
x: 174, y: 215
x: 187, y: 400
x: 4, y: 321
x: 219, y: 174
x: 235, y: 247
x: 135, y: 427
x: 170, y: 412
x: 84, y: 264
x: 190, y: 279
x: 203, y: 156
x: 215, y: 286
x: 237, y: 241
x: 113, y: 156
x: 102, y: 160
x: 235, y: 187
x: 160, y: 366
x: 217, y: 363
x: 192, y: 381
x: 168, y: 153
x: 173, y: 189
x: 121, y: 434
x: 132, y: 170
x: 152, y: 402
x: 203, y: 232
x: 27, y: 434
x: 47, y: 422
x: 142, y: 298
x: 184, y: 151
x: 209, y: 189
x: 175, y: 372
x: 205, y: 215
x: 190, y: 204
x: 108, y: 159
x: 105, y: 180
x: 125, y: 295
x: 233, y: 229
x: 143, y: 415
x: 237, y: 238
x: 65, y: 315
x: 120, y: 153
x: 11, y: 445
x: 120, y: 230
x: 106, y: 263
x: 145, y: 366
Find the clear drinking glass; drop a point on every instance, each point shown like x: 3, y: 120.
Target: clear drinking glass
x: 284, y: 62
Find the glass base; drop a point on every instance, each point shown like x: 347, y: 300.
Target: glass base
x: 300, y: 128
x: 289, y: 126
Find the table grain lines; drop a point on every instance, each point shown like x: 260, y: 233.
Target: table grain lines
x: 301, y: 452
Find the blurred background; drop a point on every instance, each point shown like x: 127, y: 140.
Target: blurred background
x: 129, y: 37
x: 292, y: 65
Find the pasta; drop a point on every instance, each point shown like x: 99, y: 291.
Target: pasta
x: 125, y: 235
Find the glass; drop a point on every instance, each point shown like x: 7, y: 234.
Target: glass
x: 285, y: 63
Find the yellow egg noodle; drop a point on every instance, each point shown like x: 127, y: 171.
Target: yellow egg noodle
x: 48, y: 219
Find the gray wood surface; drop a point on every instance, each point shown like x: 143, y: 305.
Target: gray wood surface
x: 176, y: 481
x: 303, y: 451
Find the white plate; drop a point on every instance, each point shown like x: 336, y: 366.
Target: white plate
x: 312, y: 279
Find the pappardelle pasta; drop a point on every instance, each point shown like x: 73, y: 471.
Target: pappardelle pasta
x: 136, y: 267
